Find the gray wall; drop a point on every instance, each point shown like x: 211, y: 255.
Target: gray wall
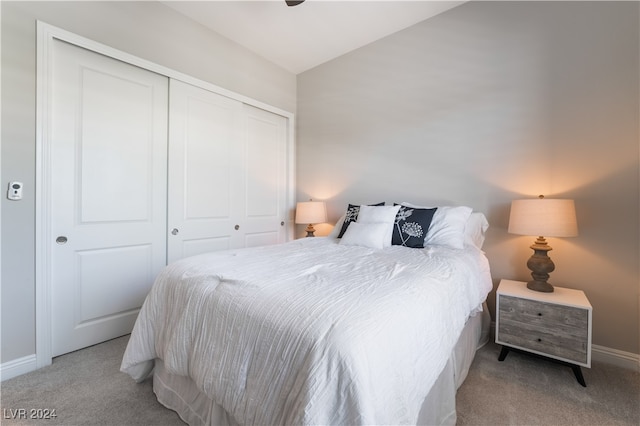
x: 487, y: 103
x: 148, y: 30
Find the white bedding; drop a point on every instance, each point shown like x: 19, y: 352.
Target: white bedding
x: 311, y: 331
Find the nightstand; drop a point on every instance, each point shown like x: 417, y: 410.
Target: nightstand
x: 555, y: 325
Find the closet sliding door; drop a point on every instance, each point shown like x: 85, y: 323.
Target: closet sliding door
x: 204, y: 158
x: 227, y: 173
x: 107, y: 193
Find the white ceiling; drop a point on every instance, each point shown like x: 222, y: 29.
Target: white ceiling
x: 301, y: 37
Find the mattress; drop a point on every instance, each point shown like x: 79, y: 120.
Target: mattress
x: 311, y: 331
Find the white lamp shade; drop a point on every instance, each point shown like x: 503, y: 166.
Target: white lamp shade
x: 543, y: 217
x: 311, y: 212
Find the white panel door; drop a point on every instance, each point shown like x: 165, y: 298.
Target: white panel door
x: 205, y: 186
x: 108, y: 136
x: 265, y: 170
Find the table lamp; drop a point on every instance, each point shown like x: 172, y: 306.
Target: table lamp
x: 311, y: 212
x: 542, y: 216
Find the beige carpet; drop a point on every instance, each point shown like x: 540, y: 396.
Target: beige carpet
x: 528, y: 390
x: 86, y: 388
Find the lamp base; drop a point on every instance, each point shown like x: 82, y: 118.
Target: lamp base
x: 310, y: 230
x: 540, y: 265
x: 542, y: 286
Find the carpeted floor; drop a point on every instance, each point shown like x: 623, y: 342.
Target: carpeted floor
x: 528, y: 390
x: 86, y: 388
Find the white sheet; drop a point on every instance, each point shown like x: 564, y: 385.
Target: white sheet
x: 311, y: 332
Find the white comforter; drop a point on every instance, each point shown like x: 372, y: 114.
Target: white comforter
x: 311, y: 331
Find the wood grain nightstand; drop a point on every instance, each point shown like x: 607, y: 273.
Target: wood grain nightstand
x: 555, y: 325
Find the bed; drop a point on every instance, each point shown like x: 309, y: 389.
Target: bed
x: 317, y: 330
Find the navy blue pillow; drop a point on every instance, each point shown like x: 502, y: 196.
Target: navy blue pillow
x: 411, y: 226
x: 352, y: 216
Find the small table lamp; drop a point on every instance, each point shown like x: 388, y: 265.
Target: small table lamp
x: 311, y: 212
x: 542, y: 216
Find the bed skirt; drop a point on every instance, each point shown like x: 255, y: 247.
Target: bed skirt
x: 179, y: 393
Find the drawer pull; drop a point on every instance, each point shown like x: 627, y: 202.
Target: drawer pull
x: 539, y: 314
x: 539, y: 340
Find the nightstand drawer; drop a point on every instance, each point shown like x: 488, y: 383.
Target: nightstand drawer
x: 547, y: 328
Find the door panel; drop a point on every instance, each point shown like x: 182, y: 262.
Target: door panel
x: 113, y: 137
x: 204, y: 159
x: 266, y: 177
x: 108, y: 193
x: 208, y: 142
x: 194, y: 246
x: 256, y: 239
x: 101, y: 294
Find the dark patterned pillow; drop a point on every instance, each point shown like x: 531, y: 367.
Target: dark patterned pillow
x: 352, y: 216
x: 411, y: 226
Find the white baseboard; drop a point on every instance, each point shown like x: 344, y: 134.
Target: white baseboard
x: 17, y: 367
x: 623, y: 359
x: 604, y: 354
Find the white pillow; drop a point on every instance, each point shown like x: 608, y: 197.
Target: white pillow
x: 447, y: 226
x: 379, y: 214
x: 336, y: 229
x: 372, y: 235
x: 475, y: 229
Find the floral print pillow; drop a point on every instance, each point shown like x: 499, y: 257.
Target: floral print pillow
x: 411, y: 226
